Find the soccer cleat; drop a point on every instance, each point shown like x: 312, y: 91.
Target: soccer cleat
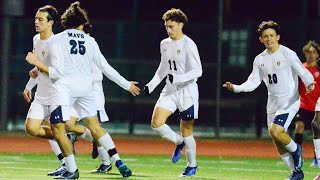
x: 189, y: 171
x: 94, y: 153
x: 297, y: 158
x: 298, y: 175
x: 69, y: 175
x: 314, y: 163
x: 177, y: 153
x: 102, y: 168
x: 73, y: 138
x: 59, y: 171
x: 123, y: 169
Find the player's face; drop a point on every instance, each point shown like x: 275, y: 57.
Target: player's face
x: 312, y: 54
x: 174, y: 29
x: 270, y: 38
x: 41, y: 22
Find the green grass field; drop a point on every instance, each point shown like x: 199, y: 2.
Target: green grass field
x: 35, y: 166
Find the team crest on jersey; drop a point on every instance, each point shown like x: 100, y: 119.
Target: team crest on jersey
x: 178, y: 51
x: 316, y: 74
x: 43, y: 53
x: 278, y: 63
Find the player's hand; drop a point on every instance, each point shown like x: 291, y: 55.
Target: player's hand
x: 32, y: 58
x: 228, y: 85
x: 310, y: 87
x: 170, y: 77
x: 134, y: 90
x: 146, y: 90
x: 33, y: 73
x: 27, y: 95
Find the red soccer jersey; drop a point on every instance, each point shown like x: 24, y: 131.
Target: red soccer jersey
x: 309, y: 101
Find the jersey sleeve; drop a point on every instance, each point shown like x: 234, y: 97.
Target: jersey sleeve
x: 253, y: 81
x: 31, y: 84
x: 107, y: 70
x: 158, y: 76
x: 193, y: 61
x: 112, y: 74
x: 56, y: 70
x: 300, y: 70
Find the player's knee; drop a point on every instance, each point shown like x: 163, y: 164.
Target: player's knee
x: 32, y: 131
x: 186, y: 132
x: 155, y: 124
x: 300, y: 127
x: 275, y: 133
x: 69, y: 128
x: 315, y: 125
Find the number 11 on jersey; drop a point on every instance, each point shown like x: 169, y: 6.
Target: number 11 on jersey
x: 174, y: 65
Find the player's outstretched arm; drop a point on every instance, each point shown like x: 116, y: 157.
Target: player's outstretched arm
x: 229, y: 86
x: 134, y: 90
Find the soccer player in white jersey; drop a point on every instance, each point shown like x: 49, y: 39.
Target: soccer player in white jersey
x: 56, y: 105
x: 38, y: 115
x: 279, y: 68
x: 71, y: 125
x: 181, y: 66
x: 72, y: 53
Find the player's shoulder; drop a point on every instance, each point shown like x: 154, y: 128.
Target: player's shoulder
x: 286, y: 51
x: 261, y: 55
x: 166, y: 41
x: 188, y: 41
x: 36, y: 37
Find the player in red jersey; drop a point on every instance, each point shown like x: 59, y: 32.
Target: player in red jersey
x: 308, y: 101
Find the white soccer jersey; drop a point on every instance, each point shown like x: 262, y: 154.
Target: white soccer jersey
x: 179, y: 58
x: 279, y: 71
x: 79, y: 52
x: 45, y: 93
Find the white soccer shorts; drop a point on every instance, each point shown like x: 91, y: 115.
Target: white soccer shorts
x: 288, y: 115
x: 182, y: 99
x: 84, y: 106
x: 43, y: 112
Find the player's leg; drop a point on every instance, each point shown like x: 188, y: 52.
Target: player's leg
x: 306, y: 117
x: 188, y: 106
x: 186, y: 127
x: 299, y: 127
x: 286, y: 155
x: 164, y: 107
x: 60, y: 114
x: 34, y: 122
x: 105, y: 165
x: 277, y: 131
x: 86, y: 108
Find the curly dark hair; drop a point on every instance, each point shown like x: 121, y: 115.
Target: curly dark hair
x: 175, y: 15
x: 74, y: 16
x: 268, y: 24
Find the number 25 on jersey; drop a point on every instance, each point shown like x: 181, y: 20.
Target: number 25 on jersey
x: 77, y: 47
